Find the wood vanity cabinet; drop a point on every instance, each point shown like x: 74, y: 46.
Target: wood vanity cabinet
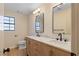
x: 36, y: 48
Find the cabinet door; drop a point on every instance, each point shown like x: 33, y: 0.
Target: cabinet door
x: 32, y: 48
x: 44, y: 50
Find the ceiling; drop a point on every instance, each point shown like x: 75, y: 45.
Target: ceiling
x: 23, y: 8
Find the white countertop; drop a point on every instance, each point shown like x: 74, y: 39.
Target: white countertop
x: 53, y: 42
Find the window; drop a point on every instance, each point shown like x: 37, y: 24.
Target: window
x: 9, y: 23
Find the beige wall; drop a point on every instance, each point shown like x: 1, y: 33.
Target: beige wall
x: 47, y: 9
x: 1, y: 32
x: 47, y: 20
x: 20, y: 29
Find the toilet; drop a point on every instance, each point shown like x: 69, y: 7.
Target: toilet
x: 22, y: 44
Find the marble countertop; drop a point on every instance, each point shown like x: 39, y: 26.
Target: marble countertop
x: 53, y: 42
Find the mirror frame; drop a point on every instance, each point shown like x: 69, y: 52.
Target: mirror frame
x: 41, y: 31
x: 53, y: 30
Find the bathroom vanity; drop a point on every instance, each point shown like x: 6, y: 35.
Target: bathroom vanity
x: 41, y: 46
x: 62, y: 22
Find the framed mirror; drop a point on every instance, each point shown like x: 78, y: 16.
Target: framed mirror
x: 62, y: 18
x: 39, y: 23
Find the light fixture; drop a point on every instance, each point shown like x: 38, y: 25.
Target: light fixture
x: 36, y: 11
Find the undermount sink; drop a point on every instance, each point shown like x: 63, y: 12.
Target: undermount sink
x: 46, y: 39
x: 59, y: 42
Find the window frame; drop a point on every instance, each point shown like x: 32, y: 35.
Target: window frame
x: 10, y: 23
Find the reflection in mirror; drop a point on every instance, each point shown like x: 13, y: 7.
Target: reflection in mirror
x: 62, y: 18
x: 39, y: 23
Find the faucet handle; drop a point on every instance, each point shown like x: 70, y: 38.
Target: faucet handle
x: 57, y: 38
x: 61, y: 33
x: 38, y: 35
x: 65, y: 40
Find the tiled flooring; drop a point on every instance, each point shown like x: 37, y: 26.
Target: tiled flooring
x: 16, y: 52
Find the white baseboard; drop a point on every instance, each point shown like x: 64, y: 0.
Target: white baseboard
x: 12, y: 47
x: 1, y: 49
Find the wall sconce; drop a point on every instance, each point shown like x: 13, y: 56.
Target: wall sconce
x: 36, y: 11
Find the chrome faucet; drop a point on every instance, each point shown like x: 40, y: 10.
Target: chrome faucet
x: 38, y: 34
x: 60, y: 34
